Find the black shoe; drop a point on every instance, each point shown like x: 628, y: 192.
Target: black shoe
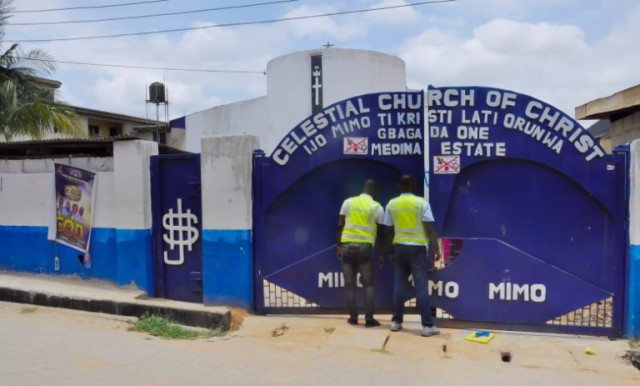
x: 372, y: 323
x: 353, y: 321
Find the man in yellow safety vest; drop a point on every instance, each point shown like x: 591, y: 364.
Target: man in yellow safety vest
x: 357, y: 233
x: 410, y: 223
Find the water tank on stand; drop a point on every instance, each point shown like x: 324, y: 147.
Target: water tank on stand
x: 156, y: 93
x: 159, y: 95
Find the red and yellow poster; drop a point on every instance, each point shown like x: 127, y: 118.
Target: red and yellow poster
x: 74, y: 206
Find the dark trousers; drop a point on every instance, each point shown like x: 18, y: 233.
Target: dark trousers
x: 411, y: 259
x: 358, y: 258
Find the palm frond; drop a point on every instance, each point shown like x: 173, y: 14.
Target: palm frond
x: 39, y: 60
x: 25, y: 107
x: 40, y: 117
x: 5, y: 14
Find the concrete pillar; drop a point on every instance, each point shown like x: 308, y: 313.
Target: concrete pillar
x: 632, y: 322
x: 132, y: 181
x: 227, y: 251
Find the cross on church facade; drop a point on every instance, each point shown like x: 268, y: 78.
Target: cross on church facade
x: 316, y: 83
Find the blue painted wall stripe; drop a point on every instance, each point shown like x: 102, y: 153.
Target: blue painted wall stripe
x: 227, y: 265
x: 135, y: 258
x: 26, y: 249
x: 632, y: 327
x: 122, y: 256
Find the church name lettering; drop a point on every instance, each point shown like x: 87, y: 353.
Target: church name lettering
x: 463, y: 123
x: 391, y: 129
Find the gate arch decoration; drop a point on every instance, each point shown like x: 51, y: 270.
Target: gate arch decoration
x: 538, y: 206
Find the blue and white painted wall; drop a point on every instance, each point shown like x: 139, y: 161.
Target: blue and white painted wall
x: 121, y: 236
x: 227, y: 249
x: 632, y: 323
x: 132, y: 204
x: 27, y: 200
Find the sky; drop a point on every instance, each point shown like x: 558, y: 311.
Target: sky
x: 564, y: 52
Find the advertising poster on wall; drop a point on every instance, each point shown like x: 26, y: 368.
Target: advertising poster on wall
x: 74, y: 206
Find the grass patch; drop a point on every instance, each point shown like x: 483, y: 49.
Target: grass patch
x: 329, y: 330
x: 634, y: 343
x: 28, y: 310
x: 163, y: 328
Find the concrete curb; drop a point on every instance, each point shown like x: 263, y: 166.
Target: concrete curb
x: 195, y: 318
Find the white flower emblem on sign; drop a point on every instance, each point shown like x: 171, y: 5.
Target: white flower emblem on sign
x: 180, y: 232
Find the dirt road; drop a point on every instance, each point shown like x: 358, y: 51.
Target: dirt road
x: 61, y: 347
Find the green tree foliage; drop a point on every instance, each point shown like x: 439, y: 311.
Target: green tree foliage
x: 26, y: 107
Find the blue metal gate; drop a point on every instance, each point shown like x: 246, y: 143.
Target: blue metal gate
x: 177, y: 226
x: 538, y: 207
x: 299, y: 189
x: 535, y: 208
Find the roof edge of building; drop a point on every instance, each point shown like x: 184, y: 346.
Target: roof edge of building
x: 621, y: 102
x: 320, y: 51
x: 110, y: 115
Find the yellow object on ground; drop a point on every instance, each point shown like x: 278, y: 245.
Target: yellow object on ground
x: 480, y: 337
x: 590, y: 351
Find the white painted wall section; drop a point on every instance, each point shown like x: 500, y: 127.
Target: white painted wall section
x: 227, y: 166
x: 94, y: 164
x: 634, y: 198
x: 354, y: 72
x: 241, y: 118
x: 177, y: 138
x: 132, y: 177
x: 288, y: 95
x: 346, y: 73
x: 27, y: 192
x: 27, y: 199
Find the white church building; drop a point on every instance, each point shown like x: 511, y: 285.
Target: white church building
x: 298, y: 85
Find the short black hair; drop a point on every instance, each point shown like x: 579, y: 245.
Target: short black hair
x: 407, y: 183
x: 371, y: 186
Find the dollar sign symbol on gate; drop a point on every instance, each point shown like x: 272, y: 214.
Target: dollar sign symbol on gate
x: 181, y: 232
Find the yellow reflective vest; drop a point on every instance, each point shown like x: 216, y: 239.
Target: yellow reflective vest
x: 360, y: 220
x: 406, y: 212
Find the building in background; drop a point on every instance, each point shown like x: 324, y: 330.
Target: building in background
x: 621, y: 110
x: 298, y: 84
x: 103, y: 124
x: 601, y: 130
